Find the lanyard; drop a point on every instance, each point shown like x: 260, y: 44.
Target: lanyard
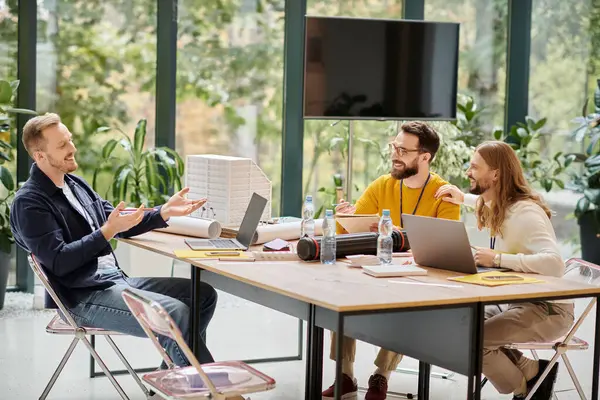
x: 492, y: 242
x: 418, y: 201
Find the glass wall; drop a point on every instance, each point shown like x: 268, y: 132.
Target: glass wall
x: 230, y: 83
x: 8, y: 72
x: 563, y: 66
x: 482, y: 64
x: 326, y: 141
x: 97, y: 67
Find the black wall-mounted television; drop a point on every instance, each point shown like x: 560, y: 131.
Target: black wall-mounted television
x: 380, y: 69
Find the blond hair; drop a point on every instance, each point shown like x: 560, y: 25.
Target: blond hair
x: 33, y: 138
x: 511, y: 187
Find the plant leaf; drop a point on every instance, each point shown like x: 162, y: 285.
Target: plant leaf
x: 120, y: 184
x: 7, y: 179
x: 20, y: 111
x: 5, y: 156
x: 103, y: 129
x: 108, y: 148
x: 583, y: 205
x: 5, y: 92
x: 140, y: 135
x: 539, y: 124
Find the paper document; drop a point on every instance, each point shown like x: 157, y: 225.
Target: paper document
x: 494, y: 278
x: 357, y: 223
x: 387, y: 271
x: 285, y: 231
x: 190, y: 226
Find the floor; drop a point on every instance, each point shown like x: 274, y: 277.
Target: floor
x: 240, y: 329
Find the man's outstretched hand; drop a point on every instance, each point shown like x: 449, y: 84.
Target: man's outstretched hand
x: 118, y: 221
x: 179, y: 206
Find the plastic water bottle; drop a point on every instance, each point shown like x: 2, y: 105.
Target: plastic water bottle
x: 385, y: 241
x: 307, y: 227
x: 328, y: 240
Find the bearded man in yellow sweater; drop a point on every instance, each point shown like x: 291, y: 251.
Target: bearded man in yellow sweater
x: 409, y: 188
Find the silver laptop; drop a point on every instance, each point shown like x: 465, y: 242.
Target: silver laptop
x: 441, y: 243
x: 245, y: 234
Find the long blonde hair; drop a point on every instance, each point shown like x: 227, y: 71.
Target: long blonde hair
x: 510, y: 188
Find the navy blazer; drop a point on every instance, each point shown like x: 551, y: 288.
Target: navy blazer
x: 45, y: 224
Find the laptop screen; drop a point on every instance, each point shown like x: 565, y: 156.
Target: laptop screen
x: 251, y: 219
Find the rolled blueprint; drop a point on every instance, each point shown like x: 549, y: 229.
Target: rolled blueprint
x: 285, y: 231
x: 190, y: 226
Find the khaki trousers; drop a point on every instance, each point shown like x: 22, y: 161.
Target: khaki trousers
x: 519, y: 323
x: 386, y: 360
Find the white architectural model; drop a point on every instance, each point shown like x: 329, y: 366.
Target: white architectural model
x: 228, y: 184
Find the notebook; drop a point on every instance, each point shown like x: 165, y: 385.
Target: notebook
x: 389, y: 271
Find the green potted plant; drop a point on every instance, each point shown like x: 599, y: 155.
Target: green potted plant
x: 586, y: 180
x: 138, y: 176
x: 543, y: 170
x: 8, y: 91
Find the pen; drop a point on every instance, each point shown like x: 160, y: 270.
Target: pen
x: 426, y: 284
x: 223, y: 253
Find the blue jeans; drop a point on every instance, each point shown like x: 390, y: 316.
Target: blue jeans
x: 106, y: 309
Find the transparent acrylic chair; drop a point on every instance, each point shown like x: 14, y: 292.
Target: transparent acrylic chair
x: 577, y: 270
x: 218, y: 381
x: 68, y: 326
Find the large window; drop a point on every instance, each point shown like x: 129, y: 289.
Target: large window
x: 230, y: 82
x: 96, y: 67
x: 482, y: 64
x: 326, y: 145
x: 8, y: 72
x: 563, y: 65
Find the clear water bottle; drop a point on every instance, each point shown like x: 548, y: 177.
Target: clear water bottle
x: 307, y: 227
x: 385, y: 241
x: 328, y: 240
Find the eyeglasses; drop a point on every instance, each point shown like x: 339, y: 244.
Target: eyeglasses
x: 401, y: 151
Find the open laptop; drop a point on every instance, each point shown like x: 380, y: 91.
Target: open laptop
x: 245, y: 234
x: 441, y: 243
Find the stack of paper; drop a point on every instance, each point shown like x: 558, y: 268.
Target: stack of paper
x: 357, y: 223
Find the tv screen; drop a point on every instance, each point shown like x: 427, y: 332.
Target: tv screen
x: 380, y: 69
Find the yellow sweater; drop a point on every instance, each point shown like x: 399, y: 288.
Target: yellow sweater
x: 384, y: 193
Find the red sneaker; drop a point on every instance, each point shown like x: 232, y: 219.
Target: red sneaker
x: 349, y: 389
x: 378, y: 386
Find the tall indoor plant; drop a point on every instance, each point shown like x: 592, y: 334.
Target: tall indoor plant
x: 138, y: 176
x: 8, y: 91
x: 586, y: 180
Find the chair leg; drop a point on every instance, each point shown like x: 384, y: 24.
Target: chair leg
x: 59, y: 369
x: 573, y: 376
x: 105, y: 369
x: 132, y: 372
x: 543, y: 376
x: 537, y: 358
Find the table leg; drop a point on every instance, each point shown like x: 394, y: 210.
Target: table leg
x: 314, y: 362
x: 308, y: 380
x: 596, y: 367
x: 195, y: 309
x: 424, y: 376
x: 339, y: 355
x: 474, y: 384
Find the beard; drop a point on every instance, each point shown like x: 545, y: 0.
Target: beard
x: 406, y: 172
x: 477, y: 188
x: 64, y: 166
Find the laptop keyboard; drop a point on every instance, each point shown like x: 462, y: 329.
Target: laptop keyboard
x: 223, y: 244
